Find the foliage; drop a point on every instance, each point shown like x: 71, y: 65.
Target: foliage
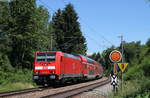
x: 29, y: 31
x: 136, y: 76
x: 5, y: 63
x: 66, y: 27
x: 16, y: 75
x: 16, y: 80
x: 26, y: 28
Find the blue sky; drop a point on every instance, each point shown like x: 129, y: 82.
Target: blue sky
x: 102, y: 21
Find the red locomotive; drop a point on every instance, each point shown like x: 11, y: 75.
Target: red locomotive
x: 52, y: 66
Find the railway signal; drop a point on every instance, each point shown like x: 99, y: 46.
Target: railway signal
x: 114, y: 82
x: 122, y: 66
x: 115, y: 56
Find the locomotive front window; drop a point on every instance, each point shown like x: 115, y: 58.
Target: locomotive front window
x: 41, y: 54
x: 51, y: 57
x: 51, y: 54
x: 46, y: 57
x: 40, y: 59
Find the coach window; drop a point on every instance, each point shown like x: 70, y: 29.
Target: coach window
x: 90, y: 61
x: 71, y: 56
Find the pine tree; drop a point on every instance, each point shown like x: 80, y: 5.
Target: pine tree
x: 58, y: 26
x: 72, y: 30
x: 67, y: 29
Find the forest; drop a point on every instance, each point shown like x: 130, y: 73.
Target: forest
x: 26, y: 28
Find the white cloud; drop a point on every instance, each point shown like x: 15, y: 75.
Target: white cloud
x: 89, y: 53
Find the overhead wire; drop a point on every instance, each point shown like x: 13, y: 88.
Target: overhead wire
x: 93, y: 38
x: 72, y: 28
x: 97, y: 43
x: 84, y: 34
x: 61, y: 21
x: 97, y: 33
x: 93, y: 29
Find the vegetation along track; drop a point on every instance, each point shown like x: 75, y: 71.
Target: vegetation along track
x: 60, y: 92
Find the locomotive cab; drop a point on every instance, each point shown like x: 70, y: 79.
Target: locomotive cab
x: 45, y: 67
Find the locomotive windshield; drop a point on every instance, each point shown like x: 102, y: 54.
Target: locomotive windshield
x: 45, y: 57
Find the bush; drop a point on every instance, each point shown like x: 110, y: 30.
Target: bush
x: 18, y: 76
x: 134, y: 73
x: 20, y: 79
x: 5, y: 63
x: 145, y: 66
x: 133, y: 89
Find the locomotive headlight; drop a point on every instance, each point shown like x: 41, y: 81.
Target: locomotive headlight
x: 38, y: 67
x: 51, y: 67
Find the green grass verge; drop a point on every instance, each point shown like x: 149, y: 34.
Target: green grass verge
x: 15, y: 86
x: 133, y: 89
x: 16, y: 80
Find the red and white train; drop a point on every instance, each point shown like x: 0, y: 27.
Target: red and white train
x: 52, y: 66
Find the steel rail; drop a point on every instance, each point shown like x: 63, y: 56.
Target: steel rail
x: 61, y: 94
x: 76, y: 91
x: 5, y: 94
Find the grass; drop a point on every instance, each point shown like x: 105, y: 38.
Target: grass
x: 16, y: 80
x: 133, y: 89
x: 15, y: 86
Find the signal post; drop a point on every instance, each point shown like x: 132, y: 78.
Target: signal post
x: 115, y: 56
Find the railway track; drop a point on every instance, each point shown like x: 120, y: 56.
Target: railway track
x: 75, y: 91
x: 61, y: 92
x: 19, y: 92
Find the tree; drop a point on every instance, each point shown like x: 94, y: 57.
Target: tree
x: 132, y: 51
x: 4, y: 17
x: 30, y: 31
x: 23, y: 26
x: 58, y: 25
x: 5, y: 41
x: 69, y: 37
x: 73, y: 31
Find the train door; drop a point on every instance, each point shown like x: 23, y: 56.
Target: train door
x: 85, y: 69
x: 62, y: 67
